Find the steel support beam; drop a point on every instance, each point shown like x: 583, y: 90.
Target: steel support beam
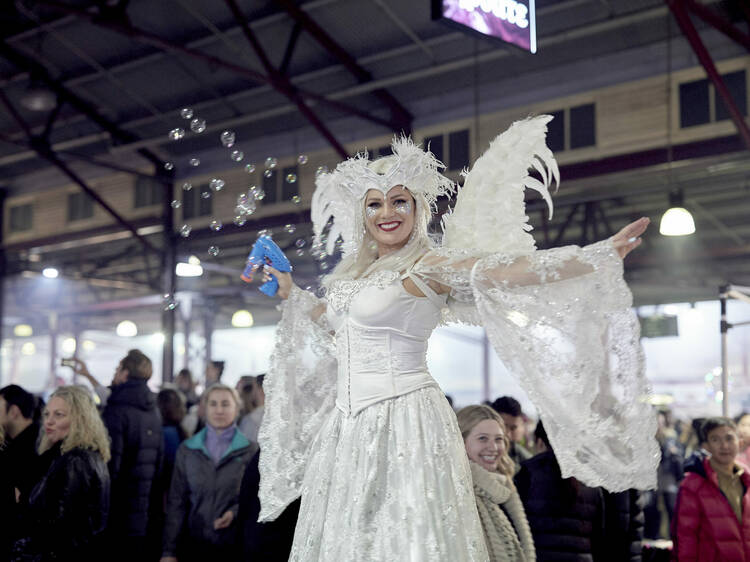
x: 169, y: 286
x: 714, y: 20
x: 290, y: 46
x: 64, y: 95
x: 691, y: 34
x: 281, y: 83
x: 44, y: 151
x: 401, y: 117
x: 155, y: 41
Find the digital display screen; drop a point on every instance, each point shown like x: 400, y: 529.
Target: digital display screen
x: 512, y: 21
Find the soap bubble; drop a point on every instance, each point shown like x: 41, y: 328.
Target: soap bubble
x: 186, y: 113
x: 268, y: 173
x: 291, y: 178
x: 296, y: 199
x: 324, y: 266
x: 216, y: 184
x: 257, y: 193
x: 250, y: 168
x: 177, y: 134
x: 205, y: 194
x: 198, y: 125
x: 176, y: 204
x: 271, y: 163
x: 302, y: 159
x: 242, y: 199
x: 300, y: 242
x: 240, y: 220
x: 300, y: 252
x: 265, y: 232
x: 237, y: 155
x: 213, y: 251
x: 227, y: 138
x: 168, y: 166
x: 216, y: 225
x: 195, y: 162
x: 186, y: 230
x: 169, y: 302
x: 290, y: 228
x: 187, y: 186
x: 321, y: 170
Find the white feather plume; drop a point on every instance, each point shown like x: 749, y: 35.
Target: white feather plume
x: 490, y: 213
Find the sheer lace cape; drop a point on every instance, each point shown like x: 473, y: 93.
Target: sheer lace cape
x: 560, y: 320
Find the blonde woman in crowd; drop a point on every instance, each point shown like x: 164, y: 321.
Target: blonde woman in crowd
x: 506, y: 530
x: 68, y: 507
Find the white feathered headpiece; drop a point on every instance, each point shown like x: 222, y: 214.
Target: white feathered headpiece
x: 490, y: 213
x: 339, y: 195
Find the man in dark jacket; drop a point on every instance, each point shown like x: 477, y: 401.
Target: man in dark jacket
x: 134, y: 424
x: 21, y: 431
x: 566, y: 517
x: 515, y: 427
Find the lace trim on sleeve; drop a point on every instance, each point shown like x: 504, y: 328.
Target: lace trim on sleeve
x: 300, y: 391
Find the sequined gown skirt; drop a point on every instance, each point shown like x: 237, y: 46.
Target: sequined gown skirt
x: 391, y: 483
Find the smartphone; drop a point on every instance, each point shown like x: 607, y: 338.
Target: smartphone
x: 68, y: 363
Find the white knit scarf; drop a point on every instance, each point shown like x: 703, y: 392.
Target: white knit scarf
x: 507, y: 540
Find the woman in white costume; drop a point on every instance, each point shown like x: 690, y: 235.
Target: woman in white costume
x: 354, y: 422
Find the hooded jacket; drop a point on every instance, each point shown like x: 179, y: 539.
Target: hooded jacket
x: 134, y: 426
x: 201, y: 492
x: 705, y: 529
x: 67, y: 509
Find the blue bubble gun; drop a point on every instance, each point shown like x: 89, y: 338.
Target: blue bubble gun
x: 265, y: 251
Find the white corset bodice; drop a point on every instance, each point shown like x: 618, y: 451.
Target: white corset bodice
x: 381, y: 340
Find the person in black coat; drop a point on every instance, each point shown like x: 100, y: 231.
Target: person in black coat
x: 624, y: 524
x: 566, y: 517
x: 272, y: 541
x: 17, y: 409
x: 67, y: 510
x: 134, y: 424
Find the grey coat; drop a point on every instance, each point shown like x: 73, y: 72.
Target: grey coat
x: 201, y: 492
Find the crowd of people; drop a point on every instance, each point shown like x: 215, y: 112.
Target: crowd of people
x: 139, y: 475
x: 174, y: 476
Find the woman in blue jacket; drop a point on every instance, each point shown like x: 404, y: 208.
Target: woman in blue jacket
x: 204, y: 493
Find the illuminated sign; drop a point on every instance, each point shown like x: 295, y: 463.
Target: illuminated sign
x: 511, y: 21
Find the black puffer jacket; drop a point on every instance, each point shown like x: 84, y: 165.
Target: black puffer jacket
x: 134, y: 426
x: 624, y: 526
x: 67, y: 510
x: 566, y: 517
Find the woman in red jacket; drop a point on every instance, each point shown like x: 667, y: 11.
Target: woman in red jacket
x: 712, y: 520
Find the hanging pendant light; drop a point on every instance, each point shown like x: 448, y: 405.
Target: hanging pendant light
x: 677, y: 220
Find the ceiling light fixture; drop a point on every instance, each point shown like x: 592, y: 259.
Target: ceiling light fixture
x: 677, y: 220
x: 242, y: 319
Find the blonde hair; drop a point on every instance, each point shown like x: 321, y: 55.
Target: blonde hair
x: 87, y: 430
x: 221, y: 386
x: 470, y: 416
x: 364, y: 260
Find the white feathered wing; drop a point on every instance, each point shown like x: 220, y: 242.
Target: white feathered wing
x: 490, y: 213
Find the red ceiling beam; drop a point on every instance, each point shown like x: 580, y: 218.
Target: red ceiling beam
x: 400, y: 116
x: 714, y: 20
x: 128, y: 30
x: 281, y: 83
x: 691, y: 34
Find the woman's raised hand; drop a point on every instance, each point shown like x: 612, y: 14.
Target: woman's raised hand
x: 629, y: 238
x: 284, y: 279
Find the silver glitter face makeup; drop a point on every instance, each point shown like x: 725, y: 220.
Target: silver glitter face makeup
x: 403, y: 207
x: 370, y: 211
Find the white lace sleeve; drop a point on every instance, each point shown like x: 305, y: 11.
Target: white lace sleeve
x: 300, y: 390
x: 561, y: 321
